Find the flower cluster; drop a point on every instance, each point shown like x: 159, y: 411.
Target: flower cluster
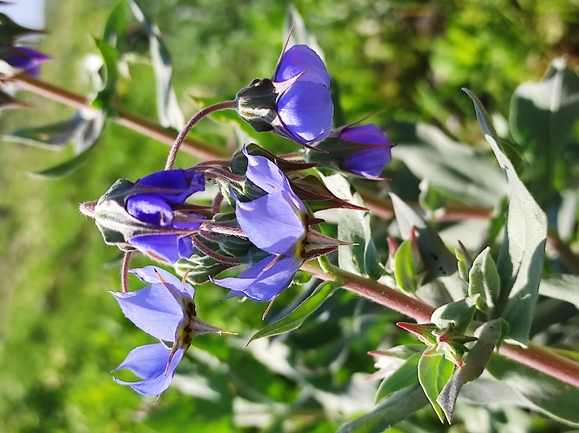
x: 275, y: 223
x: 268, y: 231
x: 166, y: 311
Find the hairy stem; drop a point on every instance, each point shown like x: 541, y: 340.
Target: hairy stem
x: 226, y: 105
x: 535, y: 356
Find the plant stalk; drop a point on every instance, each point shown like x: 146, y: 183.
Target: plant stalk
x: 535, y: 356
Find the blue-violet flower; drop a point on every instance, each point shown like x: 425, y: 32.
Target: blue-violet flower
x: 162, y: 193
x: 295, y: 103
x: 26, y: 59
x: 275, y: 223
x: 374, y: 153
x: 164, y: 310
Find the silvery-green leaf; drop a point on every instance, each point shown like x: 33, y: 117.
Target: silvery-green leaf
x: 452, y: 168
x: 520, y: 261
x: 167, y: 107
x: 564, y: 287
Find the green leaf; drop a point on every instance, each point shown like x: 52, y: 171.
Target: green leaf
x: 295, y: 319
x: 167, y: 107
x: 391, y: 411
x: 542, y: 114
x: 458, y: 313
x: 520, y: 260
x: 406, y: 267
x: 300, y: 34
x: 484, y: 280
x: 438, y: 260
x: 354, y: 226
x: 433, y: 373
x: 430, y: 198
x: 10, y: 31
x: 7, y: 101
x: 64, y: 169
x: 53, y: 136
x: 452, y: 168
x: 106, y: 96
x: 546, y: 394
x: 564, y: 287
x: 406, y: 375
x: 478, y: 357
x: 115, y: 27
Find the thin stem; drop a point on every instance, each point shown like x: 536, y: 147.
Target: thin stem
x: 226, y: 105
x: 125, y: 271
x: 535, y: 356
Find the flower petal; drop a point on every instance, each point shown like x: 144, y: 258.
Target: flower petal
x: 150, y: 363
x: 369, y: 162
x: 266, y: 175
x: 150, y: 208
x: 263, y: 281
x: 365, y: 134
x: 272, y: 223
x: 165, y: 247
x: 150, y: 274
x: 301, y: 58
x: 175, y: 186
x: 153, y: 309
x: 306, y: 111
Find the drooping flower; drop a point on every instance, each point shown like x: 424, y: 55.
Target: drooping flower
x: 295, y: 103
x: 161, y: 194
x: 164, y: 310
x: 276, y: 224
x: 363, y: 150
x: 26, y: 59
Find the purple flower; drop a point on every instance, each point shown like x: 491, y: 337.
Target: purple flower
x: 155, y: 202
x: 296, y: 103
x: 166, y: 311
x: 375, y: 150
x: 26, y: 59
x: 275, y: 223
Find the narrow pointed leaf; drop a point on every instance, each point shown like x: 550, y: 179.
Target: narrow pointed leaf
x: 484, y: 281
x: 391, y: 411
x: 167, y: 107
x: 115, y: 27
x: 478, y: 357
x: 458, y: 313
x: 53, y: 136
x: 405, y: 376
x: 438, y: 260
x: 454, y: 169
x: 105, y: 97
x: 520, y: 260
x: 546, y: 394
x: 63, y: 169
x: 354, y: 226
x: 295, y: 319
x: 561, y: 286
x: 433, y: 374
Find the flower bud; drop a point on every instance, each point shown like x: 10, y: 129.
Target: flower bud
x: 295, y: 103
x: 362, y: 150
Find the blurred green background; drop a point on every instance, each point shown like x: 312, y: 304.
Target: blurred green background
x: 60, y: 332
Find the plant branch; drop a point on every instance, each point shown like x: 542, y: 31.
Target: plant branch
x: 227, y: 105
x: 535, y: 356
x: 123, y: 117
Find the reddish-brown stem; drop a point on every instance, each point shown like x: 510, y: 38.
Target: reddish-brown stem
x: 536, y: 357
x: 123, y: 117
x: 126, y: 266
x: 226, y: 105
